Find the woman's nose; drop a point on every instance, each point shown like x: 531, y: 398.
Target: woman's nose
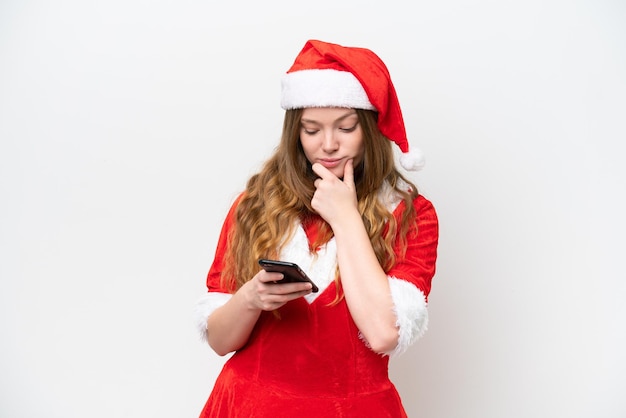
x: 329, y: 143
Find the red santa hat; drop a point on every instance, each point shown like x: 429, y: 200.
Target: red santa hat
x: 331, y: 75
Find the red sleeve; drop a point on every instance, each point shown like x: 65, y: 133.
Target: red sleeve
x: 213, y: 280
x: 418, y: 265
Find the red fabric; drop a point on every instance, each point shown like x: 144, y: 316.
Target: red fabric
x: 310, y: 362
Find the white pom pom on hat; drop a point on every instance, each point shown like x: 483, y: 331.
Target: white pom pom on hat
x: 413, y: 160
x: 326, y: 74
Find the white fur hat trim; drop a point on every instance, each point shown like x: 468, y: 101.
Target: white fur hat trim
x: 323, y: 88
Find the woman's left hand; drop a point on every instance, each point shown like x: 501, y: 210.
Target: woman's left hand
x: 334, y: 197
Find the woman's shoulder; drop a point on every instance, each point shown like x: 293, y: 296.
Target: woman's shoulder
x: 424, y: 208
x: 423, y: 203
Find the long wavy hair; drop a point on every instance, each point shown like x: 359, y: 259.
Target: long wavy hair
x: 279, y: 196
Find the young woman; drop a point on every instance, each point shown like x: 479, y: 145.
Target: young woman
x: 331, y: 200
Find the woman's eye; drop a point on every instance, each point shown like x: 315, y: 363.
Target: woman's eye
x: 348, y: 130
x: 310, y: 131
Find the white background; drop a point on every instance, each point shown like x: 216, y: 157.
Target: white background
x: 127, y: 127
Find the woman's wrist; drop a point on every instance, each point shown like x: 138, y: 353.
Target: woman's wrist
x: 349, y: 224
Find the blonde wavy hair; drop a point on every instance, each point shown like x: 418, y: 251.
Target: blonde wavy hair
x: 279, y: 196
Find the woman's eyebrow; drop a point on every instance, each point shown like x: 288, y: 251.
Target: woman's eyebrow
x: 339, y: 119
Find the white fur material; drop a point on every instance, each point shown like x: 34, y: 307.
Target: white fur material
x: 323, y: 88
x: 205, y: 307
x: 389, y: 197
x: 413, y: 160
x: 319, y: 267
x: 411, y: 310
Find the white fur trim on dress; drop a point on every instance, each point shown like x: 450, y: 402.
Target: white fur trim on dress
x: 411, y: 310
x: 390, y: 196
x: 320, y: 267
x: 323, y: 88
x: 205, y: 307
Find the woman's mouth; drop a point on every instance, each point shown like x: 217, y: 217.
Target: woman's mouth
x: 330, y: 162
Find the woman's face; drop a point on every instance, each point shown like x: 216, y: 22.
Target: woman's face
x: 331, y: 136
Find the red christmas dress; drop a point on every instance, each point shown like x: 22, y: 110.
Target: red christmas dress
x: 311, y: 360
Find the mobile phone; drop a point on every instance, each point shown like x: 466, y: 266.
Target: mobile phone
x: 291, y: 271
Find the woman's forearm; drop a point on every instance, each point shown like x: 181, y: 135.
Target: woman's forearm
x: 365, y: 285
x: 230, y: 326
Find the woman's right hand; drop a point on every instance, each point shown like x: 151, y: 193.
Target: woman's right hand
x: 266, y: 292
